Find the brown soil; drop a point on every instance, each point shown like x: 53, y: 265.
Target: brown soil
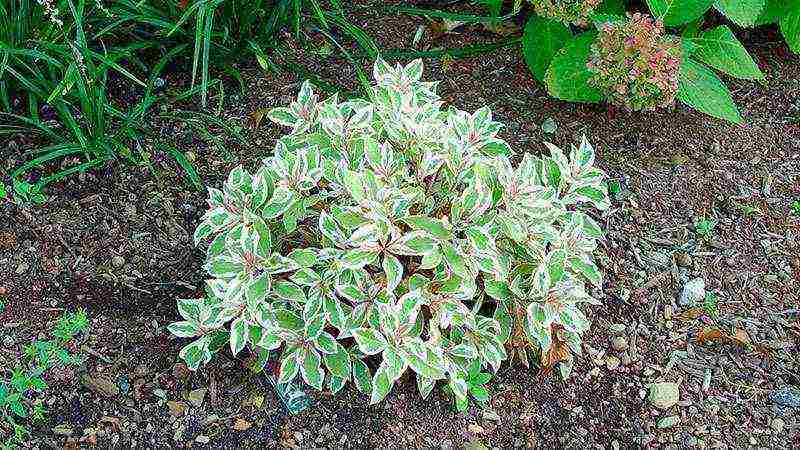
x: 674, y: 167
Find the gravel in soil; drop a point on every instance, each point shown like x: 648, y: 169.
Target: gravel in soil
x: 117, y: 242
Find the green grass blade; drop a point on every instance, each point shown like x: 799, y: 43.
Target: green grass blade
x: 187, y: 167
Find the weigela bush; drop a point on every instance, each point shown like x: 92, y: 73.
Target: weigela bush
x: 635, y: 64
x: 390, y: 227
x: 574, y: 12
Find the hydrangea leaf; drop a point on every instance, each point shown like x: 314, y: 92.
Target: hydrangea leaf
x: 541, y: 40
x: 720, y: 49
x: 790, y: 27
x: 702, y: 90
x: 678, y: 12
x: 742, y: 12
x: 567, y: 78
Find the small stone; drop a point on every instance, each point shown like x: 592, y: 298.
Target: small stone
x: 668, y: 422
x: 474, y: 428
x: 786, y: 397
x: 118, y: 261
x: 683, y: 259
x: 62, y: 430
x: 617, y: 329
x: 625, y: 359
x: 619, y: 343
x: 549, y: 126
x: 202, y: 439
x: 101, y: 384
x: 211, y: 418
x: 612, y: 362
x: 489, y: 414
x: 663, y: 395
x: 22, y: 268
x: 197, y: 396
x: 242, y: 425
x: 176, y: 409
x: 693, y: 293
x: 777, y: 425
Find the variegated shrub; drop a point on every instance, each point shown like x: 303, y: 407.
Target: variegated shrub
x: 396, y: 234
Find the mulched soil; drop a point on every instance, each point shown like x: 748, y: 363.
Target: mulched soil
x: 117, y: 242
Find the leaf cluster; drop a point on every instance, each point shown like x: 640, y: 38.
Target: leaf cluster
x: 390, y: 235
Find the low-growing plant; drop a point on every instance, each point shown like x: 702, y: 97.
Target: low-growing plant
x: 61, y: 75
x: 710, y: 305
x: 21, y: 386
x: 628, y: 61
x: 795, y: 207
x: 390, y: 227
x: 705, y: 226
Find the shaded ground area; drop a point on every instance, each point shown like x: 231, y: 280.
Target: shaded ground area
x: 118, y: 243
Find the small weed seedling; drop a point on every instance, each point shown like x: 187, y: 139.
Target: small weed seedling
x: 19, y: 385
x: 710, y: 305
x: 796, y: 208
x: 704, y: 227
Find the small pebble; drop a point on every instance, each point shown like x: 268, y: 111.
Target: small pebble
x: 663, y: 395
x: 668, y: 422
x: 683, y: 259
x: 777, y: 425
x: 693, y: 293
x: 617, y: 329
x: 619, y: 343
x: 786, y: 397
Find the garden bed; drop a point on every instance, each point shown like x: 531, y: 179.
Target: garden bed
x: 117, y: 242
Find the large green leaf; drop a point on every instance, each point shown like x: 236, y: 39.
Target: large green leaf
x: 790, y: 27
x: 568, y: 78
x: 541, y: 40
x: 702, y: 90
x: 720, y: 49
x: 775, y: 10
x: 742, y: 12
x: 679, y: 12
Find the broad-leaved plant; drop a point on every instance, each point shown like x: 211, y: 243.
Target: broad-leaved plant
x: 627, y: 59
x: 391, y: 235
